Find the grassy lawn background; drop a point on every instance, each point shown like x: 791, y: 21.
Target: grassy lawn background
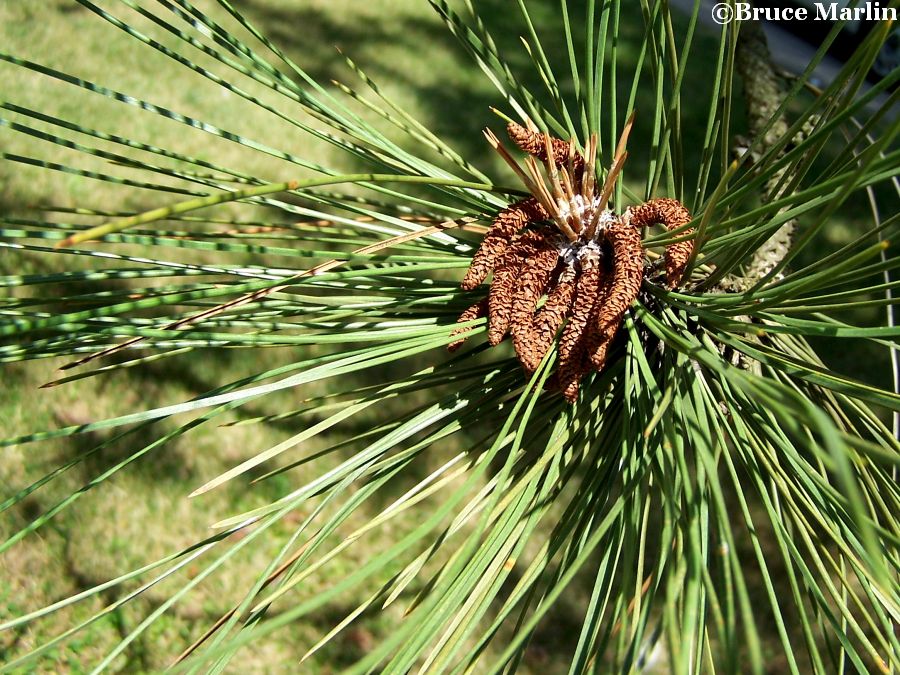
x: 143, y: 513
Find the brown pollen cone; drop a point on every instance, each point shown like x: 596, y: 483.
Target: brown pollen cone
x: 532, y: 142
x: 532, y: 341
x: 532, y: 281
x: 476, y: 311
x: 506, y: 277
x: 597, y: 343
x: 572, y: 344
x: 506, y: 225
x: 628, y: 273
x: 672, y: 214
x: 500, y: 302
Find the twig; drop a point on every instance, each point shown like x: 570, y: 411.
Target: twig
x: 762, y: 95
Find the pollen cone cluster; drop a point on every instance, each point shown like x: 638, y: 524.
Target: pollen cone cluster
x: 564, y: 265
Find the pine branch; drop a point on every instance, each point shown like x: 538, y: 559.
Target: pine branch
x: 762, y: 97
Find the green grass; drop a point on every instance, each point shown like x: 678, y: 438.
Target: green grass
x: 144, y: 513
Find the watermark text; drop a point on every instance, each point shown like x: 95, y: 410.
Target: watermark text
x: 726, y: 12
